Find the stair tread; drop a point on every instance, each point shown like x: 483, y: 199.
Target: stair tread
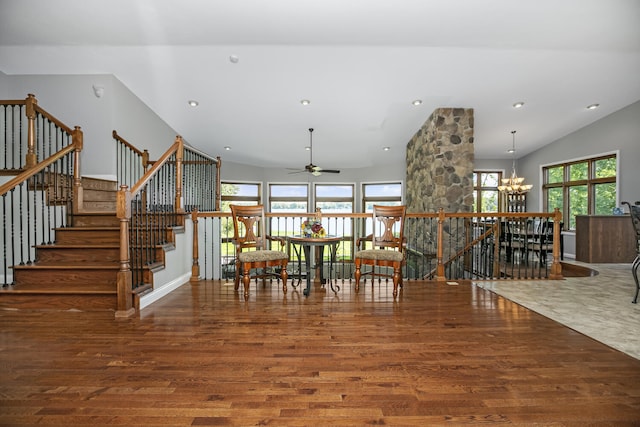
x: 83, y: 266
x: 78, y: 246
x: 16, y: 290
x: 88, y: 228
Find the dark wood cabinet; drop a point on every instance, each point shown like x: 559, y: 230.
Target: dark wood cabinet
x: 605, y: 239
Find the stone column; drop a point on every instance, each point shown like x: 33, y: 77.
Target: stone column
x: 440, y: 160
x: 440, y: 163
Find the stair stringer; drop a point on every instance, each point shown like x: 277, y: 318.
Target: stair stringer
x: 176, y: 271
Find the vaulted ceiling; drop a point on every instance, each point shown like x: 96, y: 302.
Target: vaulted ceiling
x: 359, y: 63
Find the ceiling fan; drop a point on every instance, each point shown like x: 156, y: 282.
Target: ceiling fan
x: 311, y: 168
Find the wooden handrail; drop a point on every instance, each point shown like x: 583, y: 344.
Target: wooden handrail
x: 53, y: 119
x: 129, y: 145
x: 18, y: 179
x: 177, y: 145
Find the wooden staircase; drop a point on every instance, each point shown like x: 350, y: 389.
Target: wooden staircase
x: 79, y: 270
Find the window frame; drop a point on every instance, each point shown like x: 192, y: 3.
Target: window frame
x: 387, y: 200
x: 478, y: 189
x: 271, y: 198
x: 317, y: 199
x: 591, y: 182
x: 243, y: 200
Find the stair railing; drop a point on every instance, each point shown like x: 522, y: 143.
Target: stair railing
x: 131, y: 162
x: 153, y: 206
x: 35, y: 203
x: 201, y: 181
x: 30, y: 133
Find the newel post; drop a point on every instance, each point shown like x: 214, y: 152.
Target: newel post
x: 440, y: 276
x: 555, y: 271
x: 195, y: 267
x: 77, y: 138
x: 30, y: 110
x: 124, y: 280
x: 145, y: 160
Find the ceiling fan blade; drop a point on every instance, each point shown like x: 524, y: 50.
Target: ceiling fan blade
x: 311, y: 168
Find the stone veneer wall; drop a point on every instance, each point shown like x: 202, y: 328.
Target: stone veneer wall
x: 440, y: 160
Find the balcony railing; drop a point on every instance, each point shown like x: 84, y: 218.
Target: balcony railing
x: 440, y: 246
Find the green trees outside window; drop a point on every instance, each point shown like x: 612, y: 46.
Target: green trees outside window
x: 583, y: 187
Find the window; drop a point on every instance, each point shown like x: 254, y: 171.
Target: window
x: 486, y: 197
x: 239, y: 193
x: 388, y: 194
x: 335, y: 198
x: 288, y: 197
x: 582, y: 187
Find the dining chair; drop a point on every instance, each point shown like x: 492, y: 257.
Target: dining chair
x: 252, y: 253
x: 387, y: 246
x: 542, y: 242
x: 514, y: 239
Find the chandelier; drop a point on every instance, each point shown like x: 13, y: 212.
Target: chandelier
x: 514, y: 185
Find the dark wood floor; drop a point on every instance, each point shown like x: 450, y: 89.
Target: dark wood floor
x: 439, y: 355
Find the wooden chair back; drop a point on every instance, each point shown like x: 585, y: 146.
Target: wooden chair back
x: 388, y: 227
x: 248, y: 227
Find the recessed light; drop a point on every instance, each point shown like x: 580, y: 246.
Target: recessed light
x: 234, y: 59
x: 592, y: 106
x: 518, y: 104
x: 511, y: 150
x: 227, y: 148
x: 386, y: 148
x: 305, y: 102
x: 417, y: 102
x: 307, y: 148
x: 193, y: 103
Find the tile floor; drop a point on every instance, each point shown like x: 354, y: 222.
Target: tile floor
x: 597, y: 306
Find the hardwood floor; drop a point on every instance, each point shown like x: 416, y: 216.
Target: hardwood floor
x: 439, y: 355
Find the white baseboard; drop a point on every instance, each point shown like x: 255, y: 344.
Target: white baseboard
x: 154, y: 296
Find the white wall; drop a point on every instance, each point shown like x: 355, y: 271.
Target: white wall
x: 3, y: 82
x: 617, y: 131
x: 71, y: 99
